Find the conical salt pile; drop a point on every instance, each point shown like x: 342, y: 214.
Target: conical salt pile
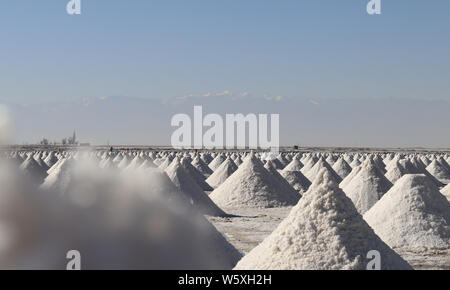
x: 395, y: 172
x: 195, y: 174
x: 215, y: 163
x: 342, y: 168
x: 321, y: 164
x: 148, y: 163
x: 309, y: 162
x: 59, y: 178
x: 165, y: 163
x: 446, y: 192
x: 323, y: 231
x: 294, y: 165
x: 349, y: 177
x: 124, y: 162
x: 184, y: 182
x: 284, y: 185
x: 439, y: 171
x: 251, y: 185
x: 238, y: 161
x: 201, y: 166
x: 31, y: 168
x: 367, y: 187
x: 331, y: 159
x: 296, y: 179
x: 134, y: 164
x: 51, y: 159
x: 355, y: 163
x: 412, y: 215
x: 443, y: 162
x: 107, y: 163
x: 225, y: 170
x: 281, y: 160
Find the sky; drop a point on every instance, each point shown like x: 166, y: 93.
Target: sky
x: 296, y: 50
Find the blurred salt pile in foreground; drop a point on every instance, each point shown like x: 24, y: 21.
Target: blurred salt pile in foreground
x: 115, y: 220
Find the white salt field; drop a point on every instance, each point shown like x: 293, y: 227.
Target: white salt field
x: 166, y: 209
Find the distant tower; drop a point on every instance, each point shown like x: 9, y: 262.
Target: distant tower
x: 74, y: 138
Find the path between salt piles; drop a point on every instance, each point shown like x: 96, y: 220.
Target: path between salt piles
x: 253, y: 225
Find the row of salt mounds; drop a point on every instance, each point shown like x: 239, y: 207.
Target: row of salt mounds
x: 251, y: 185
x: 126, y: 217
x: 225, y: 170
x: 187, y: 185
x: 323, y: 231
x: 412, y: 215
x: 367, y: 187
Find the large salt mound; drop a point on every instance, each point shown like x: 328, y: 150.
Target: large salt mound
x: 251, y: 185
x: 126, y: 226
x: 367, y: 187
x: 412, y: 215
x: 184, y: 182
x: 225, y: 170
x: 323, y: 231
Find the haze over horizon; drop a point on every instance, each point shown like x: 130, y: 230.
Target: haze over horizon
x: 336, y: 75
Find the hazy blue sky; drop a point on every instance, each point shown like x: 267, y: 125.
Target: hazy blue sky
x: 305, y: 49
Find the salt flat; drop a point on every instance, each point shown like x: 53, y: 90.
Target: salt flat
x: 250, y: 226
